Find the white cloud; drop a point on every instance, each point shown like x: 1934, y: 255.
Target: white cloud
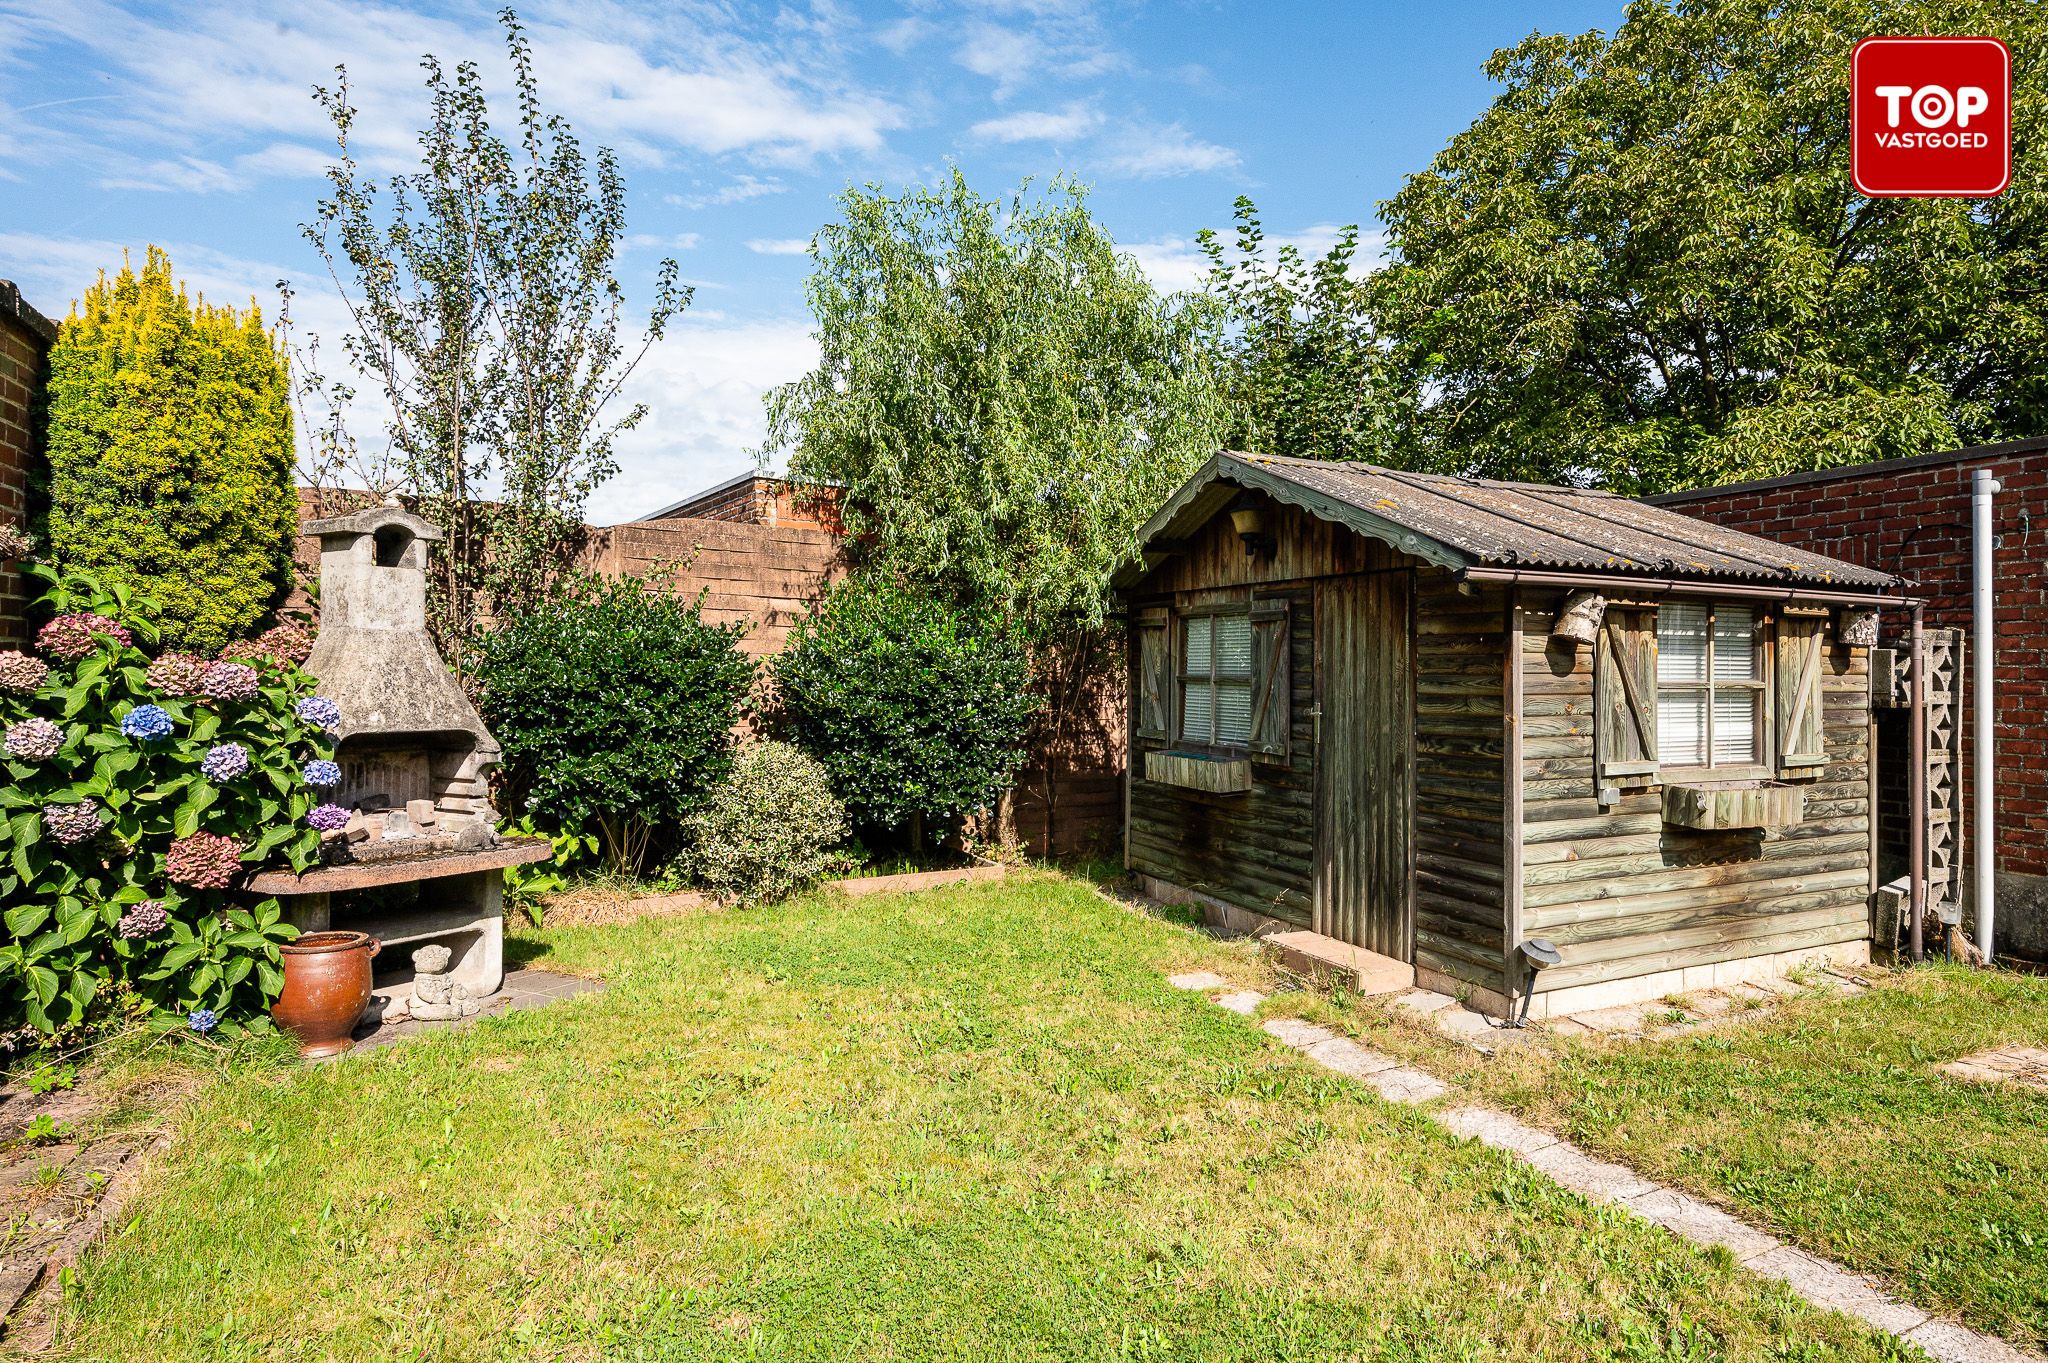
x: 703, y: 386
x: 780, y: 246
x: 739, y: 190
x: 1177, y: 263
x: 656, y: 241
x: 182, y: 175
x: 1076, y: 120
x: 652, y: 86
x: 1156, y: 152
x: 1173, y: 264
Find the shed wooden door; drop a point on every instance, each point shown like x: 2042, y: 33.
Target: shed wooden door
x: 1364, y: 767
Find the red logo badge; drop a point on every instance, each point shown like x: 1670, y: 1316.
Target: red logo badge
x: 1930, y: 117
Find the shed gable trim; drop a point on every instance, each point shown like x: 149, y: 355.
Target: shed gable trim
x: 1216, y: 484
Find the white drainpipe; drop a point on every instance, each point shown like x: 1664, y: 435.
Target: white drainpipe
x: 1984, y: 662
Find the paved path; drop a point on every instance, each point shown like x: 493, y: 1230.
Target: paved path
x: 1820, y: 1281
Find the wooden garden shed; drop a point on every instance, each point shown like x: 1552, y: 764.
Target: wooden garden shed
x: 1407, y: 723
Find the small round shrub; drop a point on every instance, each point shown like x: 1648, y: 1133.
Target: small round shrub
x: 768, y: 829
x: 615, y: 704
x: 918, y: 710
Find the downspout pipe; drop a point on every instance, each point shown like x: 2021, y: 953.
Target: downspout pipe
x: 1984, y: 718
x: 1916, y: 787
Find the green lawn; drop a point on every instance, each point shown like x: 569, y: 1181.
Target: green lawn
x: 973, y: 1123
x: 1829, y: 1121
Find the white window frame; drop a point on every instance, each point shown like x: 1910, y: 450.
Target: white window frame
x: 1760, y: 764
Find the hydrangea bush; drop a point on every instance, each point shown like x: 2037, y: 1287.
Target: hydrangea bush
x: 139, y: 793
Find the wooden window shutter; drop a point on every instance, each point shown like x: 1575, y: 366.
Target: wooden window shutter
x: 1155, y: 672
x: 1796, y: 681
x: 1272, y: 686
x: 1625, y: 694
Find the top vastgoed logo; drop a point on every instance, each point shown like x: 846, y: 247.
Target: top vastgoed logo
x: 1931, y: 117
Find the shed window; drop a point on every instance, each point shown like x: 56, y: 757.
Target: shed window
x: 1216, y: 680
x: 1710, y: 685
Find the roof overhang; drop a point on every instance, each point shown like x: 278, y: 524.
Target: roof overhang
x: 1216, y: 484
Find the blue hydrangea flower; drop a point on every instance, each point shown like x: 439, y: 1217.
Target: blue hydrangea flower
x: 319, y: 712
x: 202, y: 1021
x: 147, y: 723
x: 327, y: 818
x: 225, y: 761
x: 322, y: 773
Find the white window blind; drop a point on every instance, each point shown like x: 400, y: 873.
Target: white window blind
x: 1709, y: 685
x: 1216, y: 680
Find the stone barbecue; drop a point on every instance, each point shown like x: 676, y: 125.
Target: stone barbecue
x: 420, y: 862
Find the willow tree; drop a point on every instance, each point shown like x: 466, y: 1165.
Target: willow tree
x: 1002, y: 400
x: 1646, y: 263
x: 487, y: 319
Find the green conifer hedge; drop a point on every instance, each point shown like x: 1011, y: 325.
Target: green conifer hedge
x: 171, y: 454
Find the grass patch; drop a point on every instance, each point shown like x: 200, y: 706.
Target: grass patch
x: 969, y: 1123
x: 1829, y: 1121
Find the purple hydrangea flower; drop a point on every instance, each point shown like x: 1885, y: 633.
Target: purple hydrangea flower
x: 225, y: 761
x: 34, y: 740
x: 144, y: 920
x: 23, y: 672
x: 73, y: 824
x: 319, y: 712
x: 322, y: 773
x: 230, y: 681
x: 202, y: 1021
x: 328, y: 818
x: 147, y: 723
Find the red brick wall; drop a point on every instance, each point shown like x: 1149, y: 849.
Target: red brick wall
x: 1912, y: 517
x: 761, y: 500
x: 25, y: 338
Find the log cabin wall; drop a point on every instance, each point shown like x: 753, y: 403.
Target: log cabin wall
x: 1461, y: 796
x: 1626, y: 896
x: 1255, y: 849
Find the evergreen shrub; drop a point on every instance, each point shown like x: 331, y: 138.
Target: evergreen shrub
x: 171, y: 458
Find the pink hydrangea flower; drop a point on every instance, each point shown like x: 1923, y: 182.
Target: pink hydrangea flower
x: 177, y: 674
x: 23, y: 672
x: 230, y: 681
x: 205, y: 861
x: 70, y: 637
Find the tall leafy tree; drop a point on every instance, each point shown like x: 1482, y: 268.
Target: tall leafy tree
x: 488, y: 319
x: 1646, y: 265
x: 171, y: 453
x: 1002, y: 399
x: 1300, y: 368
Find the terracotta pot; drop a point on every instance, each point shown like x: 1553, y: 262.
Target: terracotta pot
x: 326, y: 988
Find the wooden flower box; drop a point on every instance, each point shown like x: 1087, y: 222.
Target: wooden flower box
x: 1200, y: 771
x: 1733, y: 804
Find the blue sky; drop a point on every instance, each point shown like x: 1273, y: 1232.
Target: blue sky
x: 192, y: 126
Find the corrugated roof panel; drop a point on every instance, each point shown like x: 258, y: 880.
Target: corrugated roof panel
x: 1532, y: 525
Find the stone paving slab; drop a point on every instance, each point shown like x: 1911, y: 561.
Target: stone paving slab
x: 1424, y: 1001
x: 1594, y: 1178
x: 1497, y: 1129
x: 1197, y: 979
x: 1244, y: 1001
x: 1296, y: 1033
x: 1402, y: 1085
x: 1702, y: 1223
x: 1836, y: 1288
x: 1947, y: 1342
x: 1348, y: 1057
x: 522, y: 990
x: 2006, y: 1065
